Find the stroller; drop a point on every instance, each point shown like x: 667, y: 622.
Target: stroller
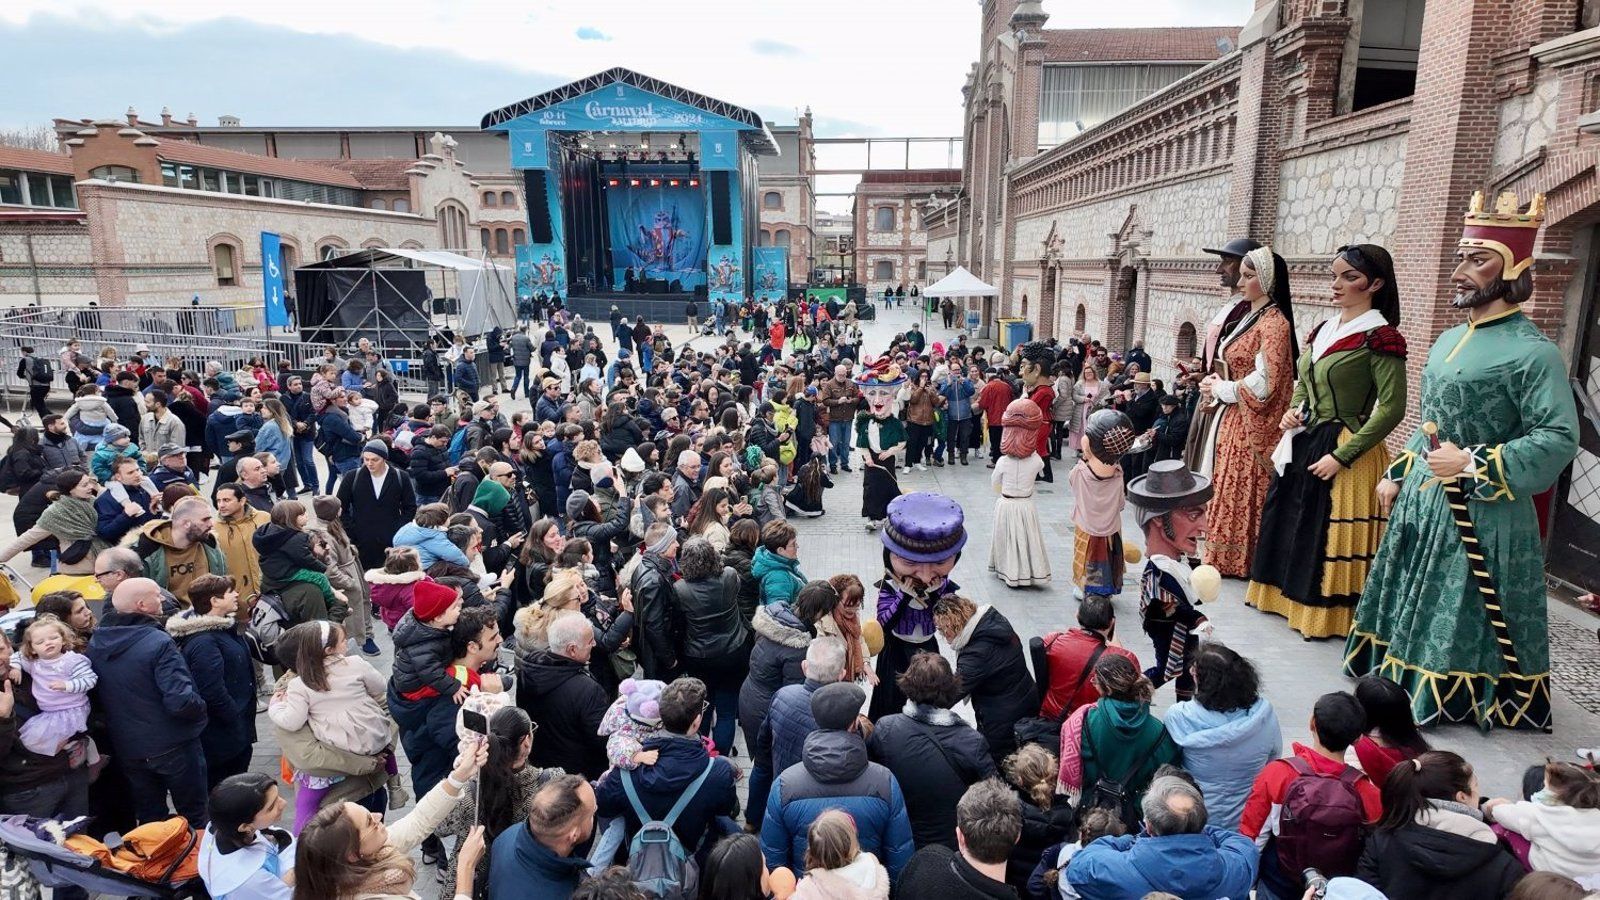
x: 54, y: 866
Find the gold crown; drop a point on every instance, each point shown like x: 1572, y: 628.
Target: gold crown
x: 1507, y: 211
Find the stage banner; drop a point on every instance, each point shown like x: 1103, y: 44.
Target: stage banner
x: 622, y: 107
x: 725, y: 273
x: 719, y: 150
x: 541, y: 269
x: 658, y: 225
x: 771, y: 265
x: 530, y: 148
x: 272, y: 277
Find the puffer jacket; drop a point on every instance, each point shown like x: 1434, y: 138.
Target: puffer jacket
x: 656, y: 617
x: 393, y: 593
x: 681, y: 761
x: 600, y: 535
x: 61, y: 452
x: 282, y: 551
x: 713, y: 628
x: 936, y: 756
x: 835, y: 774
x: 1041, y: 828
x: 1564, y: 839
x: 990, y: 664
x: 780, y: 576
x: 421, y: 655
x: 1447, y: 853
x: 789, y: 722
x: 781, y: 642
x: 146, y: 692
x: 219, y: 660
x: 567, y: 705
x: 1225, y: 751
x: 1212, y: 865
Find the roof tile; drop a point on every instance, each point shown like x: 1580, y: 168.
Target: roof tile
x: 1128, y: 45
x: 298, y: 170
x: 35, y: 160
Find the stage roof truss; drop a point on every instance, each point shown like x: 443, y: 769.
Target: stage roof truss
x: 758, y: 138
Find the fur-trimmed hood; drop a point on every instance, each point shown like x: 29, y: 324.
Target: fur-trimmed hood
x: 379, y: 576
x: 777, y: 623
x: 189, y: 624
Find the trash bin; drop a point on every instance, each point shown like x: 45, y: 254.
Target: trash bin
x: 1015, y: 332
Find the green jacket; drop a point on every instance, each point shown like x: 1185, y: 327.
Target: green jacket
x: 1360, y: 382
x: 779, y: 576
x: 1116, y: 735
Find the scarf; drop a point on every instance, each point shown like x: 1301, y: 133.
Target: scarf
x: 850, y: 629
x: 1261, y: 259
x: 930, y: 715
x: 70, y: 519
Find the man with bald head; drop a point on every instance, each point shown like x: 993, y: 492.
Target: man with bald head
x: 152, y: 710
x: 253, y: 478
x: 178, y: 550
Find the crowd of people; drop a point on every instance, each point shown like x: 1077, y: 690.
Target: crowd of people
x: 598, y: 604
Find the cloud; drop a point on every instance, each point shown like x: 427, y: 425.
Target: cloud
x: 774, y: 48
x: 590, y: 33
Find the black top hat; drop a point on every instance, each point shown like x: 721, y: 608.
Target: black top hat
x: 1168, y: 485
x: 1236, y: 247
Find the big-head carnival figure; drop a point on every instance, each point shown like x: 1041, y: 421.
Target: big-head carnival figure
x: 1454, y: 607
x: 922, y: 541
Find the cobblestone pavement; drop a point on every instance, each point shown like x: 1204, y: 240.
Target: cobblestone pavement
x: 1294, y: 671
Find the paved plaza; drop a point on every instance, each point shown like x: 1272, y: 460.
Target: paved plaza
x: 1294, y: 671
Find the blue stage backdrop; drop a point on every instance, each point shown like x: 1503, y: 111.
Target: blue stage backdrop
x: 771, y: 273
x: 658, y: 224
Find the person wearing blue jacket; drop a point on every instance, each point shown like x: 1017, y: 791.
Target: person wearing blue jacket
x: 303, y: 420
x: 561, y: 461
x: 114, y: 517
x: 431, y: 542
x: 1228, y: 732
x: 467, y: 373
x: 152, y: 710
x: 958, y: 391
x: 835, y: 774
x: 1179, y: 853
x: 340, y: 439
x: 219, y: 659
x: 222, y: 422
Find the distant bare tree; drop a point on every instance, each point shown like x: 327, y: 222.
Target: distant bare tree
x: 30, y: 137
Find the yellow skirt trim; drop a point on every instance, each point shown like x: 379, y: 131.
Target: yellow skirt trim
x: 1311, y: 621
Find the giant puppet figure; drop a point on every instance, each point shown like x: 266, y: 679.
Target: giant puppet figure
x: 1016, y: 551
x: 881, y: 438
x: 1200, y: 449
x: 1171, y: 501
x: 1033, y: 361
x: 922, y: 540
x: 1454, y: 607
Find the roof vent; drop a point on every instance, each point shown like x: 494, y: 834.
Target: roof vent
x: 228, y: 121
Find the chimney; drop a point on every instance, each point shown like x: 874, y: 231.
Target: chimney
x: 193, y: 120
x: 133, y: 116
x: 166, y: 117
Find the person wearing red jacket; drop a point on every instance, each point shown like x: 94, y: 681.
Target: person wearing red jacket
x: 1070, y: 657
x: 1034, y: 360
x: 1337, y: 721
x: 993, y: 399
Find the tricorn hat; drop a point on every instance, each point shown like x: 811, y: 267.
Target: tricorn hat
x: 1236, y: 247
x: 1167, y: 485
x: 924, y: 527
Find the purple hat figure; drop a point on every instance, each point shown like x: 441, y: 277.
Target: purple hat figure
x: 924, y: 527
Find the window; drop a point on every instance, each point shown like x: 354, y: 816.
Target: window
x: 1075, y: 98
x: 922, y: 270
x: 329, y: 250
x: 502, y: 242
x: 780, y: 238
x: 36, y: 189
x: 508, y: 200
x: 490, y: 198
x: 378, y: 204
x: 115, y: 173
x: 402, y: 206
x: 224, y: 263
x: 883, y: 270
x: 772, y: 200
x: 518, y: 237
x: 484, y: 237
x: 11, y: 187
x: 1185, y: 346
x: 1386, y: 63
x: 883, y: 219
x: 764, y: 239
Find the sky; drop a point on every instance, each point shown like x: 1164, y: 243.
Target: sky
x: 865, y: 67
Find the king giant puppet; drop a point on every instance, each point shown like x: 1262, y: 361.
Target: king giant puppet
x: 1454, y: 607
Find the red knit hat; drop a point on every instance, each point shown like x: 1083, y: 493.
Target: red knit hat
x: 430, y: 599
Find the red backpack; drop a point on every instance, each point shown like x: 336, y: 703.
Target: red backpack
x: 1321, y: 822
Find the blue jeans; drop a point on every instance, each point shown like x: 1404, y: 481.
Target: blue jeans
x: 755, y: 808
x: 521, y: 377
x: 839, y: 443
x: 181, y: 772
x: 335, y: 469
x: 725, y: 707
x: 305, y: 461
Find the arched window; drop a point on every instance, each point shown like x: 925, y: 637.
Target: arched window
x: 490, y: 198
x: 780, y: 238
x: 883, y: 270
x: 508, y: 200
x: 401, y: 206
x: 883, y: 219
x: 115, y: 173
x: 372, y: 244
x: 518, y: 237
x: 1184, y: 347
x: 329, y: 249
x: 502, y: 242
x: 484, y: 235
x: 378, y: 204
x: 1080, y: 320
x: 772, y: 200
x: 452, y: 217
x: 1024, y: 306
x: 764, y: 239
x: 225, y: 263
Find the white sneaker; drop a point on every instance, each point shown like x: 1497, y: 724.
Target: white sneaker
x: 921, y: 467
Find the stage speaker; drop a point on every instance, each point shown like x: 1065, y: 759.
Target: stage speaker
x: 721, y: 209
x: 539, y: 231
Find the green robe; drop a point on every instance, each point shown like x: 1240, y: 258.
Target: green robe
x: 1498, y: 389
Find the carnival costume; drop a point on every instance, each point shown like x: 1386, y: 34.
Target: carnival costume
x: 1259, y: 367
x: 1167, y: 598
x: 1200, y: 447
x: 1017, y: 552
x: 922, y: 528
x: 880, y: 436
x: 1455, y: 607
x: 1097, y: 500
x: 1318, y: 537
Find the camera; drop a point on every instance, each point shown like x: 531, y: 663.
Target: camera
x: 1316, y: 882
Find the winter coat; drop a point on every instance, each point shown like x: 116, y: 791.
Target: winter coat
x: 126, y: 404
x: 392, y: 593
x: 146, y: 693
x: 1213, y: 865
x: 938, y: 871
x: 787, y: 725
x: 990, y: 664
x: 1225, y: 751
x: 106, y: 455
x: 522, y: 350
x: 835, y: 774
x: 219, y: 661
x: 113, y: 523
x: 21, y: 768
x: 432, y: 545
x: 739, y: 560
x: 1443, y: 855
x: 566, y: 704
x: 235, y: 538
x: 271, y: 439
x: 864, y: 878
x: 681, y: 761
x: 467, y: 375
x: 246, y: 873
x: 350, y: 714
x: 427, y: 467
x: 27, y: 467
x: 713, y: 628
x: 428, y: 734
x: 1117, y: 734
x: 371, y: 521
x: 626, y: 433
x: 656, y: 617
x: 281, y: 551
x: 340, y: 437
x: 600, y: 536
x: 1564, y: 839
x: 520, y: 866
x: 780, y: 647
x: 94, y: 412
x: 421, y: 657
x: 780, y: 576
x: 61, y: 452
x: 1041, y: 828
x: 936, y: 756
x: 155, y: 540
x: 1067, y: 655
x: 222, y: 422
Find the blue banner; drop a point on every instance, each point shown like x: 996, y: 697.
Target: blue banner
x: 542, y: 268
x: 622, y: 107
x: 771, y: 265
x: 658, y: 225
x: 725, y: 273
x: 719, y: 150
x: 272, y: 278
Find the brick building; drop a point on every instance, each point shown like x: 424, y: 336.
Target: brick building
x: 891, y: 239
x: 788, y: 197
x: 1328, y: 122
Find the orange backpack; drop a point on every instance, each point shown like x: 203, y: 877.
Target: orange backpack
x: 166, y: 852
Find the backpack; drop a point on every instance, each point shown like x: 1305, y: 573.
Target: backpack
x: 656, y: 858
x: 40, y: 371
x: 1320, y: 822
x: 458, y: 445
x: 269, y: 619
x: 1113, y: 793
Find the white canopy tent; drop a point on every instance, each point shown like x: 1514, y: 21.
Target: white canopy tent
x: 960, y: 283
